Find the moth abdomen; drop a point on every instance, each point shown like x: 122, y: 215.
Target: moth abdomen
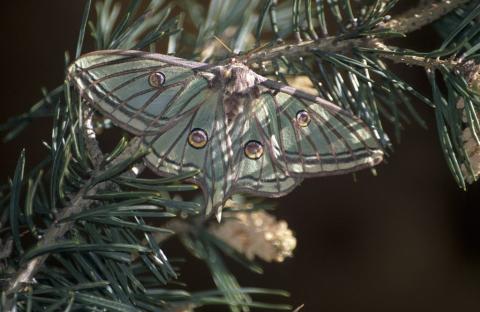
x: 233, y: 106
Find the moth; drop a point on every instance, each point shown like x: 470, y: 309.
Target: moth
x: 244, y: 132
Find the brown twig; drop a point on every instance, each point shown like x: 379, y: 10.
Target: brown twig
x: 424, y: 14
x: 409, y: 21
x: 90, y: 137
x: 387, y: 52
x: 328, y: 44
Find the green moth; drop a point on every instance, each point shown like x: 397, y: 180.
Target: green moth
x: 246, y: 133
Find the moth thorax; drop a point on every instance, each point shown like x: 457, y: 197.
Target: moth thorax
x: 238, y: 79
x: 233, y: 106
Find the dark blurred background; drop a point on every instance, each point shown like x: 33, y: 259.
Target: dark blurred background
x: 406, y: 240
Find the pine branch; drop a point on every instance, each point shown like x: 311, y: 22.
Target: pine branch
x: 59, y: 228
x: 410, y: 21
x: 329, y: 44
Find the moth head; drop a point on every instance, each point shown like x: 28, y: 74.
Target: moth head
x: 226, y: 73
